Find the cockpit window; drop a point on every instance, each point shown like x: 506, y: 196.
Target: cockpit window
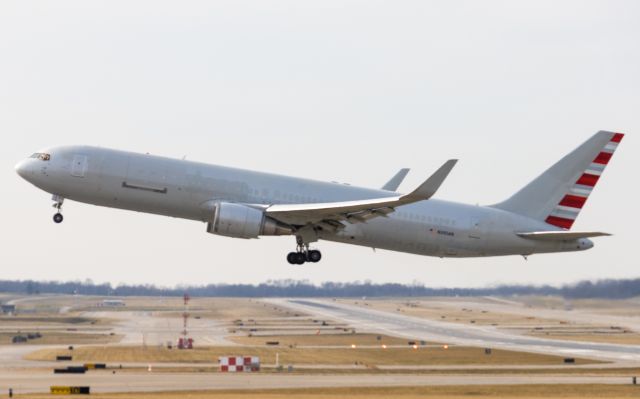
x: 41, y: 156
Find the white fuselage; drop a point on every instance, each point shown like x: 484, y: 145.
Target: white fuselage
x: 185, y: 189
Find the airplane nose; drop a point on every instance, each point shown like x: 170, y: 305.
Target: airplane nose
x: 22, y: 169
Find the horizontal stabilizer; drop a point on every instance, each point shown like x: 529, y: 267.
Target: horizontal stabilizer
x: 561, y: 235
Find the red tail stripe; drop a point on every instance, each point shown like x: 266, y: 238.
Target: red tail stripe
x: 603, y: 158
x: 588, y: 180
x: 573, y: 201
x: 617, y: 137
x: 560, y: 222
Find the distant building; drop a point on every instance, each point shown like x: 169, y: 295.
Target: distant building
x: 112, y: 303
x: 8, y: 309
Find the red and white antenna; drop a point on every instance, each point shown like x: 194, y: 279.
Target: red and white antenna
x: 185, y: 315
x: 185, y: 342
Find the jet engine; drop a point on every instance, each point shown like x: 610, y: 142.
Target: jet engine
x: 242, y: 221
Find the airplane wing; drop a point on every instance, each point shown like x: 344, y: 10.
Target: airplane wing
x: 561, y: 235
x: 394, y: 183
x: 330, y: 215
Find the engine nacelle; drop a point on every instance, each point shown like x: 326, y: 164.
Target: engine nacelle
x: 241, y: 221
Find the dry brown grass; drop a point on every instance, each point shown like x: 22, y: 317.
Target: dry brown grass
x: 320, y: 340
x: 206, y: 308
x: 61, y: 338
x: 450, y: 392
x: 451, y: 312
x: 611, y: 307
x: 316, y: 356
x: 42, y: 319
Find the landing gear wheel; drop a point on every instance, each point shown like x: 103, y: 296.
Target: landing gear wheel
x: 314, y: 256
x: 291, y: 258
x: 303, y: 254
x: 58, y: 218
x: 300, y: 258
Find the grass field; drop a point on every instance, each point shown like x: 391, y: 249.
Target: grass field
x: 206, y: 308
x: 449, y: 392
x: 452, y: 312
x: 620, y: 307
x: 320, y: 340
x: 49, y: 319
x: 317, y: 356
x: 61, y: 338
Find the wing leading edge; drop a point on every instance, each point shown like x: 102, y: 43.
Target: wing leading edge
x: 331, y: 214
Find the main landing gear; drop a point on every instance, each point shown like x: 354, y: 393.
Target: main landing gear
x: 58, y: 218
x: 303, y: 255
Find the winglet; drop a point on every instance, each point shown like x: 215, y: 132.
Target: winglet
x: 394, y: 183
x: 432, y: 184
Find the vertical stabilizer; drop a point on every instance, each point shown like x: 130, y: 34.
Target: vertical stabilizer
x: 558, y: 195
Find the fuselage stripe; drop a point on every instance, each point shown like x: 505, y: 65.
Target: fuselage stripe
x: 566, y: 213
x: 594, y: 172
x: 570, y: 205
x: 588, y: 180
x: 617, y: 137
x: 597, y: 166
x: 573, y: 201
x: 603, y: 157
x: 560, y: 222
x: 581, y: 190
x: 611, y: 147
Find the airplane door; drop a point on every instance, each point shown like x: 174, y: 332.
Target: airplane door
x: 477, y: 235
x: 79, y: 166
x: 476, y: 229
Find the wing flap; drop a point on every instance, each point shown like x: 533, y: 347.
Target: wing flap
x: 561, y: 235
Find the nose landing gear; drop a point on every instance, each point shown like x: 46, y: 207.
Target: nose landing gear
x: 58, y: 218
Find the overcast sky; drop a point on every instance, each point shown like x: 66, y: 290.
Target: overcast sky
x: 333, y: 90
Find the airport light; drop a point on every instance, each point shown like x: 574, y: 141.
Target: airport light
x: 353, y: 346
x: 415, y: 346
x: 445, y: 347
x: 384, y: 346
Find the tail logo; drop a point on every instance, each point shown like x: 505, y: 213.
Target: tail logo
x: 566, y: 212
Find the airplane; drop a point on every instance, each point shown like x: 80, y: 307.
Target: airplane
x: 250, y: 204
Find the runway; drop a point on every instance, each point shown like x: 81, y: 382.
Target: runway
x: 365, y: 319
x: 31, y: 382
